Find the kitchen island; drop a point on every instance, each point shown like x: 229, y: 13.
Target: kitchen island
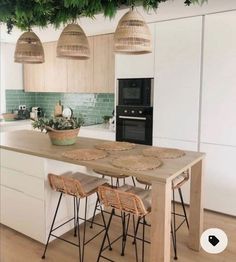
x: 27, y: 157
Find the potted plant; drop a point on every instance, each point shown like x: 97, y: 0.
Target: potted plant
x: 61, y: 130
x: 106, y: 120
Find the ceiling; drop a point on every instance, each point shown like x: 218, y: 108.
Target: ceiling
x: 100, y: 24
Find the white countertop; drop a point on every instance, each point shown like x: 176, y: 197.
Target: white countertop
x: 16, y: 122
x: 93, y: 131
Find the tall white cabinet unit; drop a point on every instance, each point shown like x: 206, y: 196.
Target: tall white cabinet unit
x: 136, y: 66
x: 218, y: 125
x: 177, y: 82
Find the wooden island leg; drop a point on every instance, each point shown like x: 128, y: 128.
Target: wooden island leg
x: 160, y: 222
x: 196, y: 207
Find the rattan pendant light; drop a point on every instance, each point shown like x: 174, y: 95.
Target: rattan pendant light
x: 132, y: 35
x: 73, y: 43
x: 29, y: 49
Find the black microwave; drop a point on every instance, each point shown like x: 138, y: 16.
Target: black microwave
x: 135, y: 92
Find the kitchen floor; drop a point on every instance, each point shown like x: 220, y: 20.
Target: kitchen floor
x: 15, y: 247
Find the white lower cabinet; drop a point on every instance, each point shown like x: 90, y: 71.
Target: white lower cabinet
x: 23, y: 213
x: 27, y: 201
x: 219, y: 178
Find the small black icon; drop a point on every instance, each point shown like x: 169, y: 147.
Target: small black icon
x: 213, y: 240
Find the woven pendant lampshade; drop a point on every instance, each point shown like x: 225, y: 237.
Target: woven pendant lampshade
x: 73, y: 43
x: 132, y: 35
x: 29, y: 49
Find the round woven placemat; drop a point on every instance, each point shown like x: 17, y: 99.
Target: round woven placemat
x: 85, y: 154
x: 115, y: 146
x: 163, y: 153
x: 137, y: 163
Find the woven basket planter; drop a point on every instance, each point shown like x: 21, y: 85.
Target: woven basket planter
x: 29, y: 49
x: 132, y: 35
x: 63, y: 137
x: 73, y: 43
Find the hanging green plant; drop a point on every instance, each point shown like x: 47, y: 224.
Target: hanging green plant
x: 27, y: 13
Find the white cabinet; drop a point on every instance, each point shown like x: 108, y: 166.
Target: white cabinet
x: 136, y: 66
x: 177, y: 79
x: 219, y: 178
x: 27, y: 202
x: 22, y: 213
x: 27, y: 164
x: 219, y: 80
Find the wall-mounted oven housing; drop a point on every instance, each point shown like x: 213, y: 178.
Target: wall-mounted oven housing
x: 135, y: 92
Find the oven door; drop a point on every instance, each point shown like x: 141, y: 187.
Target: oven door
x: 134, y: 129
x: 134, y: 92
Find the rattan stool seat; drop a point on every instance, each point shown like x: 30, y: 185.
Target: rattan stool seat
x: 144, y: 195
x: 110, y: 174
x: 176, y: 183
x: 75, y: 184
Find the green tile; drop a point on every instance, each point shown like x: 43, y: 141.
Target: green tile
x: 92, y: 106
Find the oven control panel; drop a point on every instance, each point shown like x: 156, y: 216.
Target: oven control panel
x: 133, y: 111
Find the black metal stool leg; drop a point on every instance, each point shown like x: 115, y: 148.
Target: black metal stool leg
x: 51, y: 229
x: 173, y: 241
x: 174, y: 229
x: 94, y: 213
x: 106, y: 234
x: 136, y: 230
x: 183, y: 206
x: 117, y: 182
x: 143, y: 240
x: 135, y: 242
x: 75, y: 217
x: 133, y: 181
x: 78, y: 226
x: 125, y: 231
x: 84, y: 232
x: 104, y: 222
x: 123, y: 220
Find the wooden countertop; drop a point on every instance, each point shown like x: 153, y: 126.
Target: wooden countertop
x: 38, y: 144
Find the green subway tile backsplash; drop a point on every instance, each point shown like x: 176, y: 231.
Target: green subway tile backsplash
x: 92, y: 106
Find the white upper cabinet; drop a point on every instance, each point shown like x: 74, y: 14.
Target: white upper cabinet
x: 219, y: 80
x: 136, y: 66
x: 177, y: 79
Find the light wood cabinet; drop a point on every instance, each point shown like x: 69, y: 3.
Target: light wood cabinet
x: 95, y: 75
x: 55, y: 69
x: 80, y: 73
x: 34, y: 78
x: 104, y: 64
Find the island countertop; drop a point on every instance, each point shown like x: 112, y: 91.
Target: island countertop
x: 38, y: 144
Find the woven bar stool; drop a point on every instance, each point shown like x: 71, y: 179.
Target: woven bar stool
x: 176, y: 184
x: 79, y: 186
x: 112, y: 176
x: 129, y: 200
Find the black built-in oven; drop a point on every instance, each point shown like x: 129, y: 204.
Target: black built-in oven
x: 135, y: 92
x: 134, y: 124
